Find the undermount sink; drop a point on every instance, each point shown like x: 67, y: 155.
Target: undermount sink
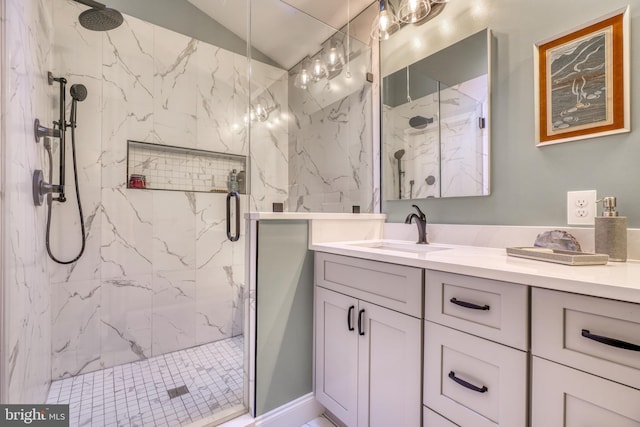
x: 402, y: 247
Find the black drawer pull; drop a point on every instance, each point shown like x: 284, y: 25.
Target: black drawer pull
x: 463, y: 383
x: 350, y: 318
x: 360, y: 327
x: 469, y: 304
x: 610, y: 341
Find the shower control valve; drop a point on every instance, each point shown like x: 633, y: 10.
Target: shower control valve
x: 41, y: 188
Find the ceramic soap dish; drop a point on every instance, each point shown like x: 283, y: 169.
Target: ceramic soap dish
x: 558, y: 256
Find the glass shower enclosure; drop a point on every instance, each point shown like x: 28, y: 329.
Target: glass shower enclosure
x: 149, y: 326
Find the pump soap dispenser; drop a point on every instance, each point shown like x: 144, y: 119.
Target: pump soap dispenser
x: 611, y: 232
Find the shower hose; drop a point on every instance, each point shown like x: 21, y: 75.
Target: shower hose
x: 75, y: 178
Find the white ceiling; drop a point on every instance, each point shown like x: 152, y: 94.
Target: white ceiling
x: 285, y: 31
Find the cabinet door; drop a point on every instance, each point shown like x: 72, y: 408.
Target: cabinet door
x: 390, y: 369
x: 337, y: 354
x: 565, y: 397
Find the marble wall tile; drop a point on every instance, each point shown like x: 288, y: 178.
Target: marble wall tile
x: 175, y: 88
x: 174, y: 231
x: 173, y: 317
x: 330, y: 156
x: 27, y: 300
x: 76, y: 316
x: 217, y: 108
x: 211, y: 232
x: 215, y: 299
x: 127, y: 233
x: 126, y: 319
x: 128, y: 87
x: 214, y: 260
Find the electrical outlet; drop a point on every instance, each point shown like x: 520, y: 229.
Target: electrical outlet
x: 581, y: 207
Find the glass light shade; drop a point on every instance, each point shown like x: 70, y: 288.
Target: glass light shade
x: 302, y: 79
x: 318, y: 70
x: 412, y: 11
x: 386, y: 23
x: 334, y: 57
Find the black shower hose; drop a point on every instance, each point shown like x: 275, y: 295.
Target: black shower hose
x: 75, y: 178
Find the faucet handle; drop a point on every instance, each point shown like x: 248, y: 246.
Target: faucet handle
x: 423, y: 217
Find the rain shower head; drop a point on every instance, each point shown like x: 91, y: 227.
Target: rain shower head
x: 398, y: 154
x: 99, y: 17
x: 420, y: 122
x: 78, y: 92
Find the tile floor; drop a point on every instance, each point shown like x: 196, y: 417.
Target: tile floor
x: 135, y: 394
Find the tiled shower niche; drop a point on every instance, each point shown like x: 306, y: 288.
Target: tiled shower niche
x: 166, y: 167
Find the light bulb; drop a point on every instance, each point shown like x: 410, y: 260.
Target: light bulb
x: 334, y: 57
x: 384, y: 21
x: 319, y: 70
x: 302, y: 79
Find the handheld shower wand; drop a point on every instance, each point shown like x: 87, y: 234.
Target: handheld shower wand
x: 40, y: 187
x: 398, y: 155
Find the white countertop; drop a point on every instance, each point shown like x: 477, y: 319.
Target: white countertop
x: 311, y: 215
x: 616, y: 280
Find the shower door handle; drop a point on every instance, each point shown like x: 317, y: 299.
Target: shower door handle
x: 236, y: 236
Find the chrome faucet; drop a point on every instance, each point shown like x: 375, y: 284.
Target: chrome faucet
x: 421, y: 222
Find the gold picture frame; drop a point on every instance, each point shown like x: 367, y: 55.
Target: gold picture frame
x: 582, y: 81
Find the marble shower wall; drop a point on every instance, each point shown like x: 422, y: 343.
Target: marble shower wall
x: 27, y: 302
x: 158, y: 273
x: 330, y: 141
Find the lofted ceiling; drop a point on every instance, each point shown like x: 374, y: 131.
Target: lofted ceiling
x: 285, y: 31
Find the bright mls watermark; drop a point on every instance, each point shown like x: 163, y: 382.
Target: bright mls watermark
x: 34, y: 415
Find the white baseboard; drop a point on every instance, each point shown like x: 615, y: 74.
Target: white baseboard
x: 293, y: 414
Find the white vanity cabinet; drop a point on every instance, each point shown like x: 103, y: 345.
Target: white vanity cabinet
x: 368, y: 342
x: 586, y: 364
x: 475, y: 351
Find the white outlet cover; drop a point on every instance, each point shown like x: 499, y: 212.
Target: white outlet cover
x: 581, y: 207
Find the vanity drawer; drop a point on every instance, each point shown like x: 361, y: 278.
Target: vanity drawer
x: 487, y: 308
x: 433, y: 419
x: 566, y: 329
x: 565, y: 397
x: 394, y: 286
x: 452, y: 357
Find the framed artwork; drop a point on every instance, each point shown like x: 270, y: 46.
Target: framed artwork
x: 582, y: 81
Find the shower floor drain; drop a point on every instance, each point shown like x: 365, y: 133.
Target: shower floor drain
x: 178, y: 391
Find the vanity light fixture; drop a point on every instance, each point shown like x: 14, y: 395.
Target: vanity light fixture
x: 386, y: 22
x: 409, y: 12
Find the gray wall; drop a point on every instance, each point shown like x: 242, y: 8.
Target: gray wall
x: 284, y: 335
x: 528, y: 184
x: 183, y: 17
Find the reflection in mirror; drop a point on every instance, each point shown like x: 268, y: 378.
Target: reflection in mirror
x: 435, y: 135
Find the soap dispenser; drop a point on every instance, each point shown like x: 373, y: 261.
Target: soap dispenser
x: 611, y: 231
x: 232, y: 184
